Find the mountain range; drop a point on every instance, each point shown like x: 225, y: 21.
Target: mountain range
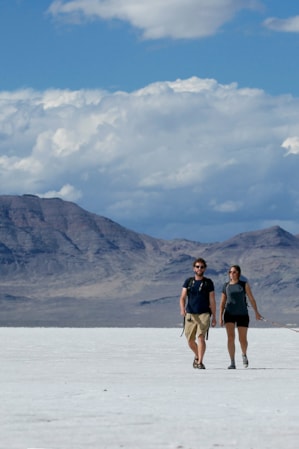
x: 64, y: 266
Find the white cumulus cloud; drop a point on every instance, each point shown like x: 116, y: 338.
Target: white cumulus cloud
x: 291, y: 144
x: 170, y: 159
x: 67, y: 193
x: 227, y: 206
x: 289, y: 25
x: 155, y: 18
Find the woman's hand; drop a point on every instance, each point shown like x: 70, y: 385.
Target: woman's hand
x: 258, y: 316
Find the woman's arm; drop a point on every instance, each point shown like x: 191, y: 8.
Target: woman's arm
x: 258, y: 316
x: 213, y: 307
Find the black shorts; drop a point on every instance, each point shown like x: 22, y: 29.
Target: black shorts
x: 238, y: 320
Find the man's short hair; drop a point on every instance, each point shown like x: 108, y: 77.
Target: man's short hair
x: 200, y: 260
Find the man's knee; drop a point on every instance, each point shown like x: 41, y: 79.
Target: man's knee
x: 191, y: 342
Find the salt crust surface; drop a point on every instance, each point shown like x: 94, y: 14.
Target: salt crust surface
x: 136, y: 389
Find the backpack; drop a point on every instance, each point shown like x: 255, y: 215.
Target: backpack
x: 190, y: 284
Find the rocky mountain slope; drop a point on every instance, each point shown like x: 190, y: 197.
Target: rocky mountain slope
x: 63, y: 266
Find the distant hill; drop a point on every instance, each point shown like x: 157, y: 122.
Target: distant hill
x: 64, y: 266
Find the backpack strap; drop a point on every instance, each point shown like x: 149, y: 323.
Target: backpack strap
x: 190, y: 284
x: 243, y: 283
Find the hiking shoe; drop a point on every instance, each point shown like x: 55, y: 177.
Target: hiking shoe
x: 195, y: 362
x: 245, y: 361
x: 231, y: 366
x: 201, y: 366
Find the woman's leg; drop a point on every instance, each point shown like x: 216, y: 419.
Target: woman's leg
x: 230, y: 330
x: 243, y: 339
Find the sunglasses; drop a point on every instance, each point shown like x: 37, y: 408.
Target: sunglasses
x: 200, y: 266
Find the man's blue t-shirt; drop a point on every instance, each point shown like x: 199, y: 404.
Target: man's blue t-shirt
x: 198, y: 295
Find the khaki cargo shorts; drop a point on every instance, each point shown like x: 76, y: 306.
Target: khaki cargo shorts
x: 196, y: 325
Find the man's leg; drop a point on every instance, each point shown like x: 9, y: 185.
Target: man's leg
x: 201, y: 347
x: 190, y: 332
x: 193, y: 346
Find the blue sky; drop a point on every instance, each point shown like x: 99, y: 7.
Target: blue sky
x: 174, y: 118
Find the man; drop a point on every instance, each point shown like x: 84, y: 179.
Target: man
x: 197, y: 310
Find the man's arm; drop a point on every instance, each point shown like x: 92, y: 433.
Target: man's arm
x: 183, y: 298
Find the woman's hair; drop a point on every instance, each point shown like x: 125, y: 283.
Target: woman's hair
x: 237, y: 268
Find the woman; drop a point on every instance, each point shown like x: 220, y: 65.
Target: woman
x: 234, y: 313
